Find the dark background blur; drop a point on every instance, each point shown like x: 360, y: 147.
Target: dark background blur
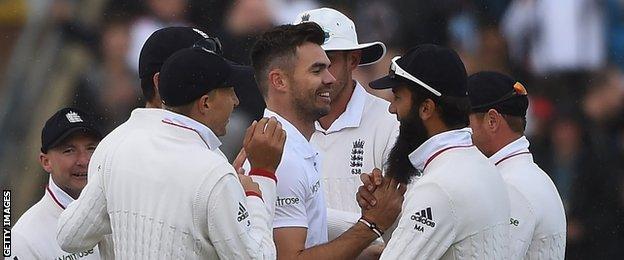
x: 568, y: 53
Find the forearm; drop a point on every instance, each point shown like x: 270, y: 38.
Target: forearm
x: 347, y: 246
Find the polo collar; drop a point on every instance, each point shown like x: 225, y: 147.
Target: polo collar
x: 59, y: 196
x: 211, y: 140
x: 352, y: 116
x: 437, y: 144
x: 295, y: 139
x: 515, y: 148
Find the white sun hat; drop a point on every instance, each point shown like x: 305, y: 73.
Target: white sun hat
x: 340, y: 34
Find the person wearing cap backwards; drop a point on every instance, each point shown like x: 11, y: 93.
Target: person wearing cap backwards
x: 358, y: 132
x: 68, y: 139
x: 165, y: 190
x: 456, y: 206
x: 292, y: 74
x: 538, y: 223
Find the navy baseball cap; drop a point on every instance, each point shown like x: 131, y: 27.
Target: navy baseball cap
x: 437, y: 69
x: 63, y: 124
x: 192, y: 72
x: 492, y: 90
x: 164, y: 42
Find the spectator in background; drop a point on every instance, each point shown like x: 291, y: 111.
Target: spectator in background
x: 159, y: 14
x: 109, y: 87
x: 560, y: 42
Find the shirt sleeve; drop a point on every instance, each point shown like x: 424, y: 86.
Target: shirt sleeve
x: 239, y: 226
x: 339, y: 221
x: 290, y: 208
x: 427, y: 226
x: 85, y: 221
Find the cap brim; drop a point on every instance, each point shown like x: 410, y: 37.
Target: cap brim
x: 241, y: 76
x: 385, y: 83
x: 72, y: 131
x: 371, y: 52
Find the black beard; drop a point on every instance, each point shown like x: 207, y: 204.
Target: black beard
x: 412, y: 133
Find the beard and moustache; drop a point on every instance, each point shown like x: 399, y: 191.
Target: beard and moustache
x: 412, y: 134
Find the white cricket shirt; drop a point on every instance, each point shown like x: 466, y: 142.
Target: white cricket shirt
x: 34, y: 234
x: 300, y: 201
x: 357, y: 142
x: 458, y: 209
x: 163, y: 189
x: 538, y: 222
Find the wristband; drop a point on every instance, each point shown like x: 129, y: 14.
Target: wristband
x: 372, y: 226
x: 263, y: 173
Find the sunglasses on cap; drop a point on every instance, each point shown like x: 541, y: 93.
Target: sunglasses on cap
x: 396, y: 70
x: 210, y: 44
x: 518, y: 90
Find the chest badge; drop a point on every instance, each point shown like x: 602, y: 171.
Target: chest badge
x: 357, y: 157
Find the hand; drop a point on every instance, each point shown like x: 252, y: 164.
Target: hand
x: 248, y: 184
x: 239, y: 161
x: 364, y: 196
x: 389, y: 197
x: 372, y: 252
x: 264, y: 144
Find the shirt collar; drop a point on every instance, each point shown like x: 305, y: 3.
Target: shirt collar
x: 519, y: 146
x: 438, y: 143
x: 204, y: 132
x: 58, y: 195
x: 352, y: 115
x: 295, y: 139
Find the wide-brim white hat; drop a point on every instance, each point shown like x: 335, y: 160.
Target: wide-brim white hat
x: 340, y: 34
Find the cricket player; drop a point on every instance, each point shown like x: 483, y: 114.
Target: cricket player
x: 292, y: 73
x: 68, y: 140
x: 358, y: 132
x: 537, y: 222
x: 164, y: 189
x: 456, y: 206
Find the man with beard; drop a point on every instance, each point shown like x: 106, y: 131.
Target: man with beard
x: 457, y: 206
x: 358, y: 132
x: 292, y: 73
x: 538, y: 223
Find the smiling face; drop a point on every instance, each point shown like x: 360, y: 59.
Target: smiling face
x: 310, y: 91
x: 67, y: 162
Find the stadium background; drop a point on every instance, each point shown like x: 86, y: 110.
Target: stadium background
x: 568, y: 53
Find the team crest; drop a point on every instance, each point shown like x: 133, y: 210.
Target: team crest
x: 357, y: 157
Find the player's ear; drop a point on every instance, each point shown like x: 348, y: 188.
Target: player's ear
x: 354, y: 58
x: 427, y: 109
x: 44, y: 160
x: 492, y: 120
x: 278, y: 80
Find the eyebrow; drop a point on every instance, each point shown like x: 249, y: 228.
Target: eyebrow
x: 319, y: 65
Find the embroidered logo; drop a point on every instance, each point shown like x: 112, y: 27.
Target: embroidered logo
x: 357, y: 157
x: 423, y: 217
x: 73, y: 117
x: 514, y: 222
x: 305, y: 18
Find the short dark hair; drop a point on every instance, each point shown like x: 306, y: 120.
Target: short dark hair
x: 453, y: 111
x: 517, y: 124
x: 280, y: 44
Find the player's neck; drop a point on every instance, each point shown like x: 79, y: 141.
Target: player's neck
x: 505, y: 138
x: 299, y: 121
x: 338, y: 106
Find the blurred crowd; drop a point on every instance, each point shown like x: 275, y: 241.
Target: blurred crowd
x: 569, y: 54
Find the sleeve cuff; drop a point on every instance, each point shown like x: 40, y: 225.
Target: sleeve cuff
x: 263, y: 173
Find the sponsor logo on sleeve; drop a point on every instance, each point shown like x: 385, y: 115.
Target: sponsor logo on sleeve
x: 423, y: 218
x: 514, y: 222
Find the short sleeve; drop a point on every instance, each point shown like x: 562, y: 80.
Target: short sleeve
x: 290, y: 207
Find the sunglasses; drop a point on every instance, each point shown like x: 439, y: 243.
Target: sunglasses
x: 518, y: 90
x: 396, y: 70
x: 210, y: 44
